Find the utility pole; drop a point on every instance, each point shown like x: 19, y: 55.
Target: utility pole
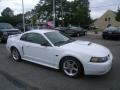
x: 53, y: 13
x: 23, y: 15
x: 62, y: 13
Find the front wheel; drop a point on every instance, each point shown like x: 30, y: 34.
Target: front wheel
x: 15, y: 54
x: 72, y: 67
x: 105, y: 37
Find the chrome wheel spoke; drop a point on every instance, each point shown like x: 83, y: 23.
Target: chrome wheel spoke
x: 75, y: 69
x: 15, y: 55
x: 71, y: 71
x: 73, y: 63
x: 68, y: 64
x: 66, y: 68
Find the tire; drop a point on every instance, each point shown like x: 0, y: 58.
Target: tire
x: 71, y: 67
x: 15, y: 54
x: 105, y: 37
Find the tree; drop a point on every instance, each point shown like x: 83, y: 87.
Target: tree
x: 7, y: 12
x: 44, y: 9
x: 81, y: 12
x: 76, y: 12
x: 118, y: 15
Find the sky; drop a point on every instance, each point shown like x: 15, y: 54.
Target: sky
x: 97, y: 7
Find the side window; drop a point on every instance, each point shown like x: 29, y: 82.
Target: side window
x: 35, y: 38
x: 105, y: 19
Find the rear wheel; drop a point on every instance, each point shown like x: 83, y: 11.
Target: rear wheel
x: 71, y: 67
x: 15, y: 54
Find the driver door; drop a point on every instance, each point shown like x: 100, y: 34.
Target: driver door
x: 37, y: 48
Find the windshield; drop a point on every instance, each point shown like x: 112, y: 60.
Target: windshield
x: 5, y: 26
x: 57, y: 38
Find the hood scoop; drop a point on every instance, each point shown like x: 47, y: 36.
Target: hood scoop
x: 83, y: 42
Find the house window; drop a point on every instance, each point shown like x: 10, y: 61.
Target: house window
x: 105, y: 19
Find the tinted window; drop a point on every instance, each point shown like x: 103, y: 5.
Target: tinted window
x: 23, y: 37
x: 34, y: 38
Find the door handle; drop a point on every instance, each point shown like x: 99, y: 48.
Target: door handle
x: 27, y: 46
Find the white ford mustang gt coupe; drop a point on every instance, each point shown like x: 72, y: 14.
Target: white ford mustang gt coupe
x: 52, y: 49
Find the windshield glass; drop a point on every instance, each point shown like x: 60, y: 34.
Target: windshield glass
x: 57, y: 38
x: 5, y: 26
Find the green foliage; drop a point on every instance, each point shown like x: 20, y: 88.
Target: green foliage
x: 76, y: 12
x: 34, y: 19
x: 7, y: 12
x: 12, y: 20
x: 118, y: 15
x: 8, y: 17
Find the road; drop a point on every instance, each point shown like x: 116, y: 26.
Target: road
x: 28, y: 76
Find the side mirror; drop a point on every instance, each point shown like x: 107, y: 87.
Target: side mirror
x: 45, y: 44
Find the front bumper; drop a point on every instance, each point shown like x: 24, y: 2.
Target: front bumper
x: 112, y: 35
x: 98, y: 68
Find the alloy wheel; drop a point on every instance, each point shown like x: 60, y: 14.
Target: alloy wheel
x: 15, y: 55
x: 70, y: 68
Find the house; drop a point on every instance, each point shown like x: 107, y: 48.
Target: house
x: 108, y: 18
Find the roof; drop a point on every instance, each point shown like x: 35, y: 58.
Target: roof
x: 108, y: 11
x: 41, y: 31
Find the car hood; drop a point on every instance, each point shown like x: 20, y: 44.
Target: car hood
x: 86, y: 47
x: 7, y: 30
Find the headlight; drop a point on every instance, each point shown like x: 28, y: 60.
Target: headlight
x: 5, y: 33
x: 98, y: 59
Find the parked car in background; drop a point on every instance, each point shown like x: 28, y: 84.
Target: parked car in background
x: 63, y: 30
x: 111, y: 33
x: 77, y: 31
x: 7, y: 29
x: 53, y: 49
x: 20, y: 27
x: 72, y: 31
